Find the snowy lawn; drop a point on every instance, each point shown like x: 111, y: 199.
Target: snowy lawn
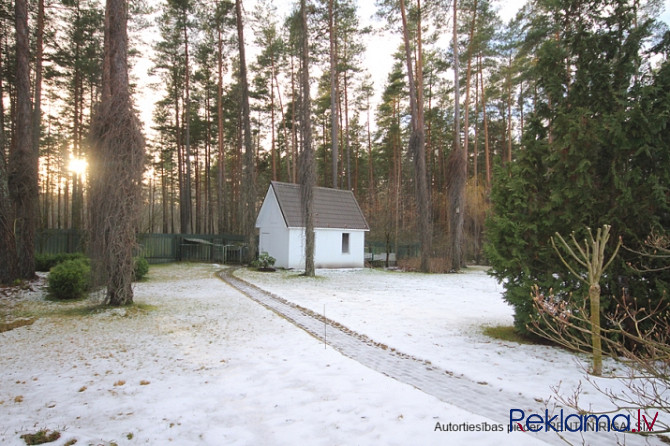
x: 440, y: 318
x: 199, y: 363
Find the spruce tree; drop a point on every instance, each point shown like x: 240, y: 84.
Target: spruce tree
x: 587, y: 158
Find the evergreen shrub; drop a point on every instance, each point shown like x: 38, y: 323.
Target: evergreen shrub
x: 44, y: 262
x: 141, y: 268
x: 265, y: 262
x: 594, y: 152
x: 70, y: 279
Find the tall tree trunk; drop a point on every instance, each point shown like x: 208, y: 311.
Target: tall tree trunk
x: 509, y: 111
x: 8, y: 252
x: 249, y: 183
x: 347, y: 145
x: 294, y: 129
x: 209, y: 208
x: 117, y: 161
x: 307, y: 168
x: 334, y: 112
x: 417, y: 142
x: 22, y: 179
x: 221, y: 166
x: 273, y: 146
x: 185, y: 205
x: 8, y: 259
x: 165, y: 198
x: 39, y: 51
x: 371, y: 187
x: 3, y: 139
x: 456, y: 170
x: 468, y: 77
x: 487, y: 150
x: 287, y: 144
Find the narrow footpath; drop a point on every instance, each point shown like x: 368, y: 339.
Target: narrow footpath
x: 459, y: 391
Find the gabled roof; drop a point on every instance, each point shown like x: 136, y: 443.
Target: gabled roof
x: 333, y: 208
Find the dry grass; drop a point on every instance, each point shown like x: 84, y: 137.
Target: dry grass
x: 508, y: 333
x: 41, y: 437
x: 11, y: 325
x: 438, y: 265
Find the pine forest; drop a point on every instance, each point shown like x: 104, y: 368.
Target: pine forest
x: 483, y: 138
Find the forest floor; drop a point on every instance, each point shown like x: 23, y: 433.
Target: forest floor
x: 196, y: 361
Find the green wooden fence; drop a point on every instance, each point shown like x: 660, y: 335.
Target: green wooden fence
x: 156, y: 248
x: 165, y: 248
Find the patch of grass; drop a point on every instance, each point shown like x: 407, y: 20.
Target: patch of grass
x: 303, y: 276
x: 120, y: 383
x: 18, y: 399
x: 41, y: 437
x: 71, y: 442
x: 508, y: 333
x: 11, y: 325
x: 87, y: 309
x: 142, y: 307
x: 97, y: 308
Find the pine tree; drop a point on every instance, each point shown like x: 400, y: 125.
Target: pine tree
x: 249, y: 183
x: 22, y: 178
x: 307, y: 168
x: 117, y: 162
x: 417, y: 139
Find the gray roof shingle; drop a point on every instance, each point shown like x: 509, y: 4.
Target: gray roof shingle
x: 333, y: 208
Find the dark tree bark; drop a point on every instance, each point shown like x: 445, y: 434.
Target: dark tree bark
x: 7, y: 241
x: 39, y: 52
x: 487, y: 161
x: 456, y: 171
x: 307, y: 168
x: 249, y: 181
x: 185, y: 205
x: 468, y: 78
x: 221, y: 162
x: 117, y: 161
x: 417, y: 143
x: 23, y: 158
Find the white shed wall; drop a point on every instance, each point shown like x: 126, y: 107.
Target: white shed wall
x: 328, y: 253
x: 296, y: 241
x: 273, y: 233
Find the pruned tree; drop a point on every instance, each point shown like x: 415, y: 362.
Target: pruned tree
x: 117, y: 161
x: 591, y: 257
x: 636, y: 335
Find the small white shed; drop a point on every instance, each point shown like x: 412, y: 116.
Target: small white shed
x: 339, y: 227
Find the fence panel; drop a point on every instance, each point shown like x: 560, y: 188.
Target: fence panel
x: 58, y: 241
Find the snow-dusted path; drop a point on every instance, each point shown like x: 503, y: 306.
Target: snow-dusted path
x: 476, y: 397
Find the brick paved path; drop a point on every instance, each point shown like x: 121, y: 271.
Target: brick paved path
x: 481, y: 399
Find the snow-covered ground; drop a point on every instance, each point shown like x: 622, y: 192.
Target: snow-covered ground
x: 437, y: 317
x: 203, y: 364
